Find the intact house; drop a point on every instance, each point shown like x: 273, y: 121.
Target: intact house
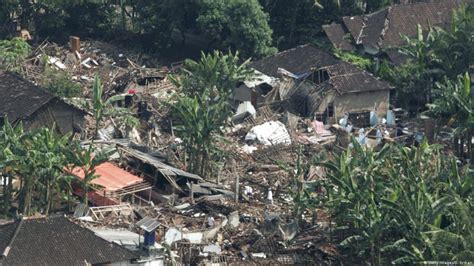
x: 311, y: 82
x: 56, y: 240
x: 381, y: 33
x: 23, y: 101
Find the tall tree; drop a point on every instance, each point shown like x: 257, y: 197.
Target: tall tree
x: 237, y: 24
x: 202, y: 109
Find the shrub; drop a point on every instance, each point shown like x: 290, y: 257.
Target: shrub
x: 61, y: 84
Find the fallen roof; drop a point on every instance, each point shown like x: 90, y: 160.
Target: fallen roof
x: 110, y: 177
x: 383, y: 29
x: 20, y: 98
x: 343, y: 76
x: 347, y: 78
x: 56, y: 241
x: 298, y: 60
x: 166, y: 170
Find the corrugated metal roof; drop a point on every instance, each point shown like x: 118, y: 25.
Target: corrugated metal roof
x: 164, y: 168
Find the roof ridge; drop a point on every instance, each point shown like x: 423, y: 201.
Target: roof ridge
x: 386, y: 25
x: 17, y: 76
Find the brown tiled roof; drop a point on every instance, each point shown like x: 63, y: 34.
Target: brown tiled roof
x: 19, y: 97
x: 56, y: 241
x: 374, y: 25
x: 405, y: 18
x: 383, y: 29
x: 339, y: 37
x: 298, y: 60
x: 354, y: 26
x: 344, y: 77
x: 347, y: 78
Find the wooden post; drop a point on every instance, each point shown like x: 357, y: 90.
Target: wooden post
x: 191, y: 193
x: 75, y: 43
x: 236, y: 188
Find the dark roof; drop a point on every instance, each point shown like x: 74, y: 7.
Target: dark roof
x: 396, y: 57
x: 298, y: 60
x: 339, y: 37
x: 347, y: 78
x: 56, y: 241
x: 383, y: 29
x: 344, y: 77
x: 19, y: 97
x: 354, y: 26
x: 374, y: 25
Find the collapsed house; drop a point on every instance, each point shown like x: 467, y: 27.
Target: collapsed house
x: 56, y: 240
x: 377, y: 33
x: 22, y: 101
x: 311, y: 82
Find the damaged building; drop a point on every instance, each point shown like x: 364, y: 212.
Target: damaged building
x: 310, y: 82
x: 379, y: 32
x: 23, y: 101
x: 56, y: 240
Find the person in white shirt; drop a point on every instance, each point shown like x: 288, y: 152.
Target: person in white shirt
x: 210, y: 221
x: 270, y: 196
x: 248, y: 191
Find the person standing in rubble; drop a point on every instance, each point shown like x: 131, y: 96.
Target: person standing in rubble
x: 248, y: 191
x: 210, y: 221
x: 270, y: 196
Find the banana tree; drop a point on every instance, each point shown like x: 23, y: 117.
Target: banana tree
x: 105, y: 108
x: 48, y: 149
x: 353, y: 195
x: 202, y: 108
x: 456, y: 102
x: 11, y: 154
x: 87, y: 160
x: 199, y: 125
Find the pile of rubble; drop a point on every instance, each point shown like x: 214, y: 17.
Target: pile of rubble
x: 247, y: 212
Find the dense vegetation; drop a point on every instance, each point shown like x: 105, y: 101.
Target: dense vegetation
x: 253, y: 27
x: 34, y: 169
x: 203, y: 108
x: 397, y: 204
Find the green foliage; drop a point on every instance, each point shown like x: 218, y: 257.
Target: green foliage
x: 239, y: 24
x: 41, y: 161
x: 455, y: 102
x: 61, y: 84
x: 12, y: 53
x: 106, y: 108
x: 411, y: 82
x: 400, y: 204
x: 433, y: 56
x: 36, y: 159
x: 203, y: 109
x: 215, y: 74
x: 300, y: 22
x: 355, y: 59
x: 199, y: 126
x: 87, y: 160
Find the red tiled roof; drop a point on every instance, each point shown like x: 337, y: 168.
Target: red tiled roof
x: 110, y: 177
